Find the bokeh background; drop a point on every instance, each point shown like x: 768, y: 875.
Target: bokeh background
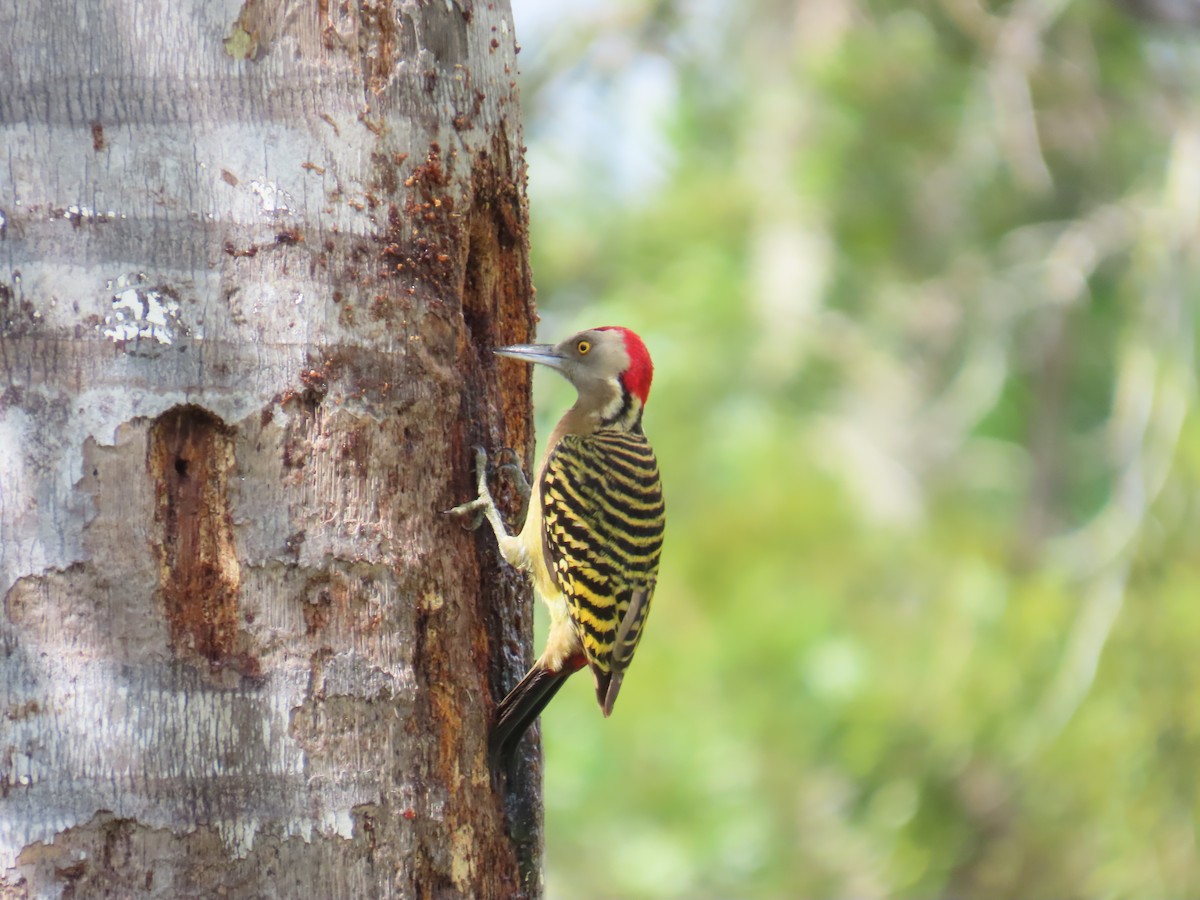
x: 920, y: 281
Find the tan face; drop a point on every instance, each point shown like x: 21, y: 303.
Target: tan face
x: 590, y: 358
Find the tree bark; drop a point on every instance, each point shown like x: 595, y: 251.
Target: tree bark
x: 252, y: 263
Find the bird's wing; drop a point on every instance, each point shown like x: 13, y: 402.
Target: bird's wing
x: 603, y: 516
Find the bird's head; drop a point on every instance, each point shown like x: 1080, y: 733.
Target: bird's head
x: 609, y: 367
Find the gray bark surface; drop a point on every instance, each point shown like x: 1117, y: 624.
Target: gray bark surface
x: 252, y: 263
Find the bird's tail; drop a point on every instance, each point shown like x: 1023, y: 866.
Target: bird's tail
x: 522, y: 706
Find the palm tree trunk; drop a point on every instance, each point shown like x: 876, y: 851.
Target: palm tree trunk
x: 251, y: 266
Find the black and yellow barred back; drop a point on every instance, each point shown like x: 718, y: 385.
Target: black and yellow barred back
x: 603, y: 520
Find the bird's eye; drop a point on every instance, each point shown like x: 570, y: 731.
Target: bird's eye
x: 583, y: 347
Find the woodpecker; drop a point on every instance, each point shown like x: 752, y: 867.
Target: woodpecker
x: 593, y: 531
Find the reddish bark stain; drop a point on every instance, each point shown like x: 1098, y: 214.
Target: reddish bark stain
x: 190, y: 456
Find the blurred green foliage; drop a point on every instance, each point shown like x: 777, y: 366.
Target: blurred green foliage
x: 920, y: 282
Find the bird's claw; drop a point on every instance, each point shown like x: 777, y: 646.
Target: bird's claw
x: 508, y: 451
x: 513, y: 470
x: 475, y: 509
x: 480, y: 461
x: 472, y: 513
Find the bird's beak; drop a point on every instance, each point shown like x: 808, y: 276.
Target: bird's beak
x: 533, y: 353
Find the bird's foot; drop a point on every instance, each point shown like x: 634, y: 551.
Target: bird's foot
x: 473, y: 512
x: 513, y: 470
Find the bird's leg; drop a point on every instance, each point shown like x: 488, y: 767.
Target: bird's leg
x: 519, y: 482
x: 484, y: 507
